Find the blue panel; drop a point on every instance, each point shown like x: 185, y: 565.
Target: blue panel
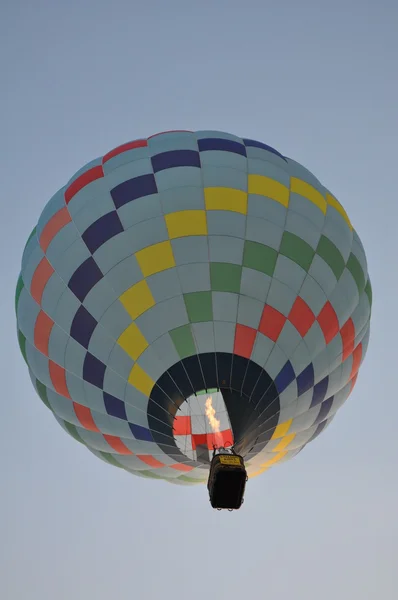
x: 285, y: 377
x: 115, y: 407
x: 320, y: 391
x: 175, y: 158
x: 130, y: 190
x: 83, y: 326
x: 141, y: 433
x: 102, y: 230
x: 255, y: 144
x: 93, y: 371
x: 305, y: 380
x: 84, y: 278
x: 325, y: 409
x: 221, y: 144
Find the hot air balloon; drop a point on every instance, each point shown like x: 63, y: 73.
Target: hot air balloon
x: 193, y: 292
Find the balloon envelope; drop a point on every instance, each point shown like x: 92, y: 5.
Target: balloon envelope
x: 185, y: 266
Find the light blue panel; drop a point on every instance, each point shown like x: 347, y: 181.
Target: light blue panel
x: 100, y: 298
x: 288, y: 398
x: 57, y: 345
x: 178, y: 177
x: 275, y: 361
x: 124, y: 158
x: 224, y: 177
x: 61, y: 242
x: 51, y: 295
x: 250, y: 311
x: 94, y: 209
x: 124, y: 275
x: 330, y: 358
x: 75, y: 388
x: 113, y: 251
x: 114, y: 384
x: 256, y: 166
x: 307, y: 209
x: 214, y: 133
x: 31, y: 265
x: 359, y: 252
x: 222, y: 222
x: 162, y: 317
x: 115, y: 320
x: 225, y: 306
x: 62, y: 407
x: 136, y: 404
x: 365, y: 342
x: 66, y: 310
x: 191, y: 249
x: 165, y: 284
x: 94, y: 189
x: 301, y: 357
x: 225, y: 249
x: 289, y: 339
x: 304, y: 402
x: 289, y: 273
x: 135, y: 168
x: 361, y: 314
x: 140, y: 209
x: 345, y: 297
x: 96, y: 441
x: 151, y: 364
x: 339, y: 235
x: 262, y: 349
x: 264, y: 232
x: 120, y: 362
x: 28, y: 311
x: 336, y: 381
x: 221, y: 158
x: 109, y: 425
x: 303, y: 228
x: 53, y: 206
x: 255, y: 284
x: 312, y: 293
x: 203, y: 334
x: 182, y: 198
x: 297, y: 170
x: 150, y: 232
x: 266, y: 208
x: 38, y: 363
x: 94, y: 397
x: 30, y: 246
x: 323, y: 275
x: 224, y: 336
x: 74, y: 358
x: 315, y: 340
x: 166, y: 351
x: 67, y: 263
x: 267, y: 156
x: 194, y: 277
x: 281, y: 297
x: 101, y: 344
x: 172, y: 140
x: 333, y: 216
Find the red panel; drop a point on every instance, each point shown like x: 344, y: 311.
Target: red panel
x: 124, y: 148
x: 353, y: 382
x: 43, y: 327
x: 181, y: 467
x: 39, y: 280
x: 182, y: 426
x: 301, y: 316
x: 55, y: 224
x: 272, y: 322
x: 85, y: 417
x: 356, y: 360
x: 84, y: 179
x: 117, y: 444
x: 347, y: 333
x: 199, y: 439
x: 244, y: 340
x: 328, y: 322
x: 58, y: 378
x: 151, y: 461
x: 223, y: 438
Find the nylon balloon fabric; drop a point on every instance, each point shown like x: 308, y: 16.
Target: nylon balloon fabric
x: 186, y: 265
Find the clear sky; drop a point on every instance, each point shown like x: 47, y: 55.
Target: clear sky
x: 318, y: 81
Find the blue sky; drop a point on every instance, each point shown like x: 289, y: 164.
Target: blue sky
x: 316, y: 80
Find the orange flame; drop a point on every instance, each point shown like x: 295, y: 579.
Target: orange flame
x: 211, y: 415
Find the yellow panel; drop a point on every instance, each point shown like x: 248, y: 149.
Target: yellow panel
x: 281, y: 429
x: 132, y: 341
x: 285, y: 441
x: 305, y: 189
x: 336, y: 204
x: 186, y: 222
x: 137, y: 299
x: 221, y: 198
x: 272, y: 461
x: 141, y: 380
x: 153, y: 259
x: 265, y: 186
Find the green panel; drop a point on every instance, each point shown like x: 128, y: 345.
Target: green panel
x: 22, y: 345
x: 225, y: 277
x: 73, y: 432
x: 331, y: 255
x: 354, y: 266
x: 199, y: 306
x: 183, y: 341
x: 369, y: 292
x: 259, y: 257
x: 42, y: 391
x: 297, y: 250
x: 151, y: 475
x: 110, y: 459
x: 18, y: 291
x: 191, y: 479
